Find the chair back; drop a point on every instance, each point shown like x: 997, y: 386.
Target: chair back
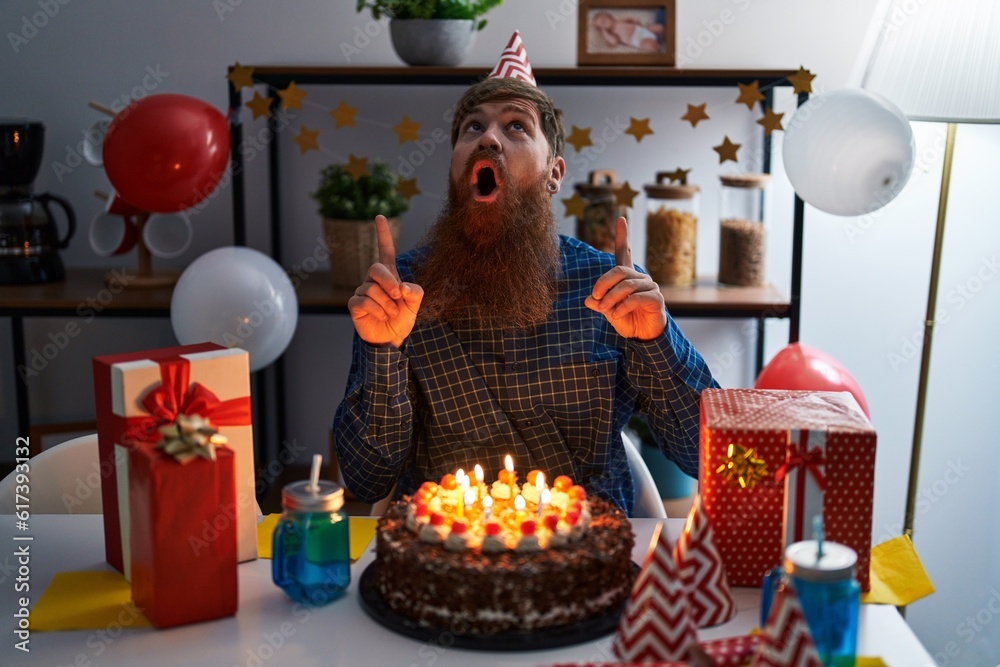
x: 65, y: 479
x: 648, y: 504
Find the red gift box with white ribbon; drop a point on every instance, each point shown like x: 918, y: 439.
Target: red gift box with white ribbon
x: 138, y: 392
x: 770, y: 461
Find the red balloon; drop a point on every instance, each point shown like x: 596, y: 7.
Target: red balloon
x: 165, y: 153
x: 802, y: 367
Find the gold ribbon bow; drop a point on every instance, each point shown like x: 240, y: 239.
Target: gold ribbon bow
x: 742, y: 467
x: 189, y: 437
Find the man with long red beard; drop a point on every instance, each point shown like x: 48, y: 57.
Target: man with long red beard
x: 499, y: 336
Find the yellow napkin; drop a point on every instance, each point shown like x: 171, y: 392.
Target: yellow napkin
x: 87, y: 600
x: 361, y: 530
x: 897, y: 575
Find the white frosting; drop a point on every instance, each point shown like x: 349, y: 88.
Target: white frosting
x: 456, y: 541
x: 493, y: 544
x: 432, y: 534
x: 530, y: 493
x: 559, y: 500
x: 527, y: 543
x: 501, y: 491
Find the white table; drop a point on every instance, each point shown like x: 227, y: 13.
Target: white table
x: 270, y: 629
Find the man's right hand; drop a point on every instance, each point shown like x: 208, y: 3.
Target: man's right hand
x: 384, y: 309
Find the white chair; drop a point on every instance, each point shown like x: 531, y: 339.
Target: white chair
x: 647, y: 503
x: 64, y: 479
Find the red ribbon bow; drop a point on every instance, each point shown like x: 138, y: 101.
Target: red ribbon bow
x: 177, y: 396
x: 801, y: 459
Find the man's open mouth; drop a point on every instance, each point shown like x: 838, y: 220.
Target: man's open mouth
x: 485, y: 184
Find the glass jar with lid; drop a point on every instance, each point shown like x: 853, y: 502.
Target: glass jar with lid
x: 742, y: 237
x: 671, y: 231
x: 596, y: 226
x: 311, y: 559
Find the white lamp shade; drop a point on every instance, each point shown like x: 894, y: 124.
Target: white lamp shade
x: 848, y: 152
x: 939, y: 60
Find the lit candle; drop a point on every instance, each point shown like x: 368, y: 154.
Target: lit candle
x: 459, y: 506
x: 508, y: 464
x: 478, y: 471
x: 544, y: 498
x: 519, y: 507
x: 540, y: 482
x: 470, y: 498
x: 487, y: 508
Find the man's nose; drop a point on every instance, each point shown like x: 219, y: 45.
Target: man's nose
x: 490, y: 141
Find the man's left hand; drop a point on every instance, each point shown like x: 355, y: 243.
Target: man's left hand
x: 630, y: 300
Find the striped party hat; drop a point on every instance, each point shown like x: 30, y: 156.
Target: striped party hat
x: 513, y: 63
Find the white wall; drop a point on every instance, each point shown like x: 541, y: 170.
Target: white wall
x: 864, y: 279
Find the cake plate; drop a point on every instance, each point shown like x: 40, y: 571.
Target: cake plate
x: 554, y: 637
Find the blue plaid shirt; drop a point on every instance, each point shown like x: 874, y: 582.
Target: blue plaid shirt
x: 555, y: 398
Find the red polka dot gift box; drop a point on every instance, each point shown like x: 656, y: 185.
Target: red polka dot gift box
x: 771, y: 461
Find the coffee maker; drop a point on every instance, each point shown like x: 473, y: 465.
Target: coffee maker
x: 29, y: 238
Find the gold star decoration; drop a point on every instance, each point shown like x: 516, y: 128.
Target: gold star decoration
x: 679, y: 175
x: 638, y: 128
x: 771, y: 121
x: 241, y: 77
x: 624, y: 195
x: 343, y: 115
x: 802, y: 81
x: 726, y: 150
x: 260, y: 105
x: 356, y: 166
x: 695, y: 114
x: 749, y: 94
x: 742, y: 467
x: 579, y: 138
x: 574, y: 205
x: 307, y: 140
x: 408, y: 188
x: 406, y: 130
x: 291, y: 97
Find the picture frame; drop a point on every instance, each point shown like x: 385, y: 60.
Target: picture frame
x: 626, y: 32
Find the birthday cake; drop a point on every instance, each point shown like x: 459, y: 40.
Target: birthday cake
x: 475, y: 559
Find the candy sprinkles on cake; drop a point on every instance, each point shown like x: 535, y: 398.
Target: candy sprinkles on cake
x: 463, y: 513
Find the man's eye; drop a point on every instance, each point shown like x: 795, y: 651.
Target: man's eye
x: 474, y: 126
x: 518, y: 125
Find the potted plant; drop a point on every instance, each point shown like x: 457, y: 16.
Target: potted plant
x: 349, y: 207
x: 431, y: 32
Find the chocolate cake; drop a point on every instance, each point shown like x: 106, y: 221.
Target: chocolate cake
x: 514, y: 571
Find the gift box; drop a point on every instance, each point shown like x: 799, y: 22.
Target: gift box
x: 770, y: 461
x: 183, y: 540
x: 136, y: 393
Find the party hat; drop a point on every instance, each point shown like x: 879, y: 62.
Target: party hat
x: 513, y: 63
x: 702, y: 573
x: 785, y: 641
x: 655, y: 625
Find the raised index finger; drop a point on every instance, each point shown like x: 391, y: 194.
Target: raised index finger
x: 623, y: 253
x: 386, y: 246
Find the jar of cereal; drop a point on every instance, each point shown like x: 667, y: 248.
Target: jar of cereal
x: 596, y: 226
x: 671, y: 231
x: 742, y: 239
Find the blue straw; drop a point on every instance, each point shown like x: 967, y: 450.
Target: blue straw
x: 818, y: 530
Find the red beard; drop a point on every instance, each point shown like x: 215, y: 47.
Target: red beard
x: 491, y: 264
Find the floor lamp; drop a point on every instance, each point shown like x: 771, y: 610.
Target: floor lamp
x: 938, y: 60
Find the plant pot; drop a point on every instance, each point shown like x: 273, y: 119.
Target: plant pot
x: 353, y: 248
x: 443, y: 42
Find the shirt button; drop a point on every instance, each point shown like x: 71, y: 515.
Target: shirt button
x: 529, y: 423
x: 514, y: 366
x: 595, y: 372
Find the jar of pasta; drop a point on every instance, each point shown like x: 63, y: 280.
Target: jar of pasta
x: 742, y: 237
x: 671, y: 231
x: 596, y: 226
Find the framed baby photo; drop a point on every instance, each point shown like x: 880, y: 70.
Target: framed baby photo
x: 626, y: 32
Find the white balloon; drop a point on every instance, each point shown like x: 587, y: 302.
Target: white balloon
x: 848, y: 152
x: 237, y: 297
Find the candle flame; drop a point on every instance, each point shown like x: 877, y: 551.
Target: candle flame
x: 519, y: 502
x: 478, y: 471
x: 546, y: 497
x: 508, y: 463
x: 540, y: 481
x: 459, y: 476
x: 470, y: 496
x: 487, y: 502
